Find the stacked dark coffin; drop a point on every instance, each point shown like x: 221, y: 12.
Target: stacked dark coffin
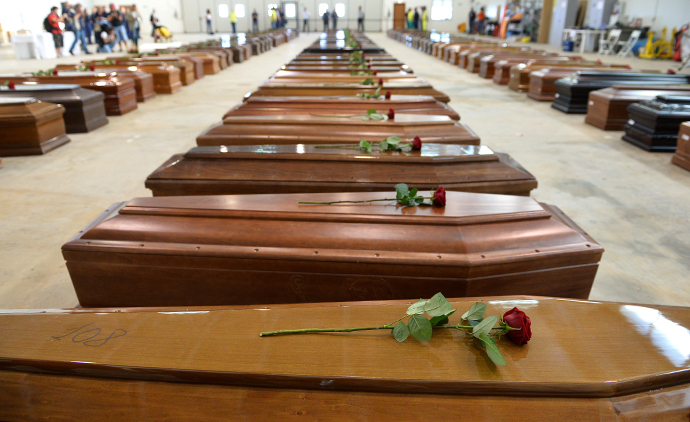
x: 261, y: 249
x: 406, y: 104
x: 326, y: 129
x: 572, y: 92
x: 227, y: 170
x: 30, y: 127
x: 682, y: 155
x: 608, y: 108
x: 278, y: 89
x: 84, y: 108
x: 206, y: 364
x: 654, y: 125
x: 542, y: 83
x: 143, y: 82
x: 120, y: 94
x: 166, y: 78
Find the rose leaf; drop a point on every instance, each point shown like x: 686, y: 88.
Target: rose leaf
x: 491, y: 350
x: 420, y: 327
x: 476, y: 312
x: 401, y: 332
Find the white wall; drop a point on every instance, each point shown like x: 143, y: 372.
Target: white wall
x: 169, y: 13
x: 658, y: 13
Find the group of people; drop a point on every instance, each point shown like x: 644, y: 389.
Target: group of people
x: 278, y: 19
x: 329, y: 16
x: 477, y: 21
x: 108, y: 28
x: 417, y: 20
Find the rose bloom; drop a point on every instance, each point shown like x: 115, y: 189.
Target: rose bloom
x: 440, y: 197
x: 417, y: 143
x: 518, y: 319
x: 376, y: 72
x: 10, y: 85
x: 92, y: 67
x: 388, y: 95
x: 380, y: 81
x: 54, y: 72
x: 391, y: 114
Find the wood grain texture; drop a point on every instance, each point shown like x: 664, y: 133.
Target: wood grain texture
x: 30, y: 126
x: 274, y: 89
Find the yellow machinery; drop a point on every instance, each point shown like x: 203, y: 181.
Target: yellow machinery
x: 659, y: 49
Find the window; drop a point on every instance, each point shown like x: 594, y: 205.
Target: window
x: 271, y: 6
x: 223, y: 11
x: 290, y: 10
x: 239, y: 10
x: 340, y: 9
x: 323, y: 8
x: 441, y: 10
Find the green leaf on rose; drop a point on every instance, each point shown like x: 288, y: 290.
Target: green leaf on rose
x: 413, y: 192
x: 476, y: 312
x: 491, y: 350
x: 393, y: 140
x: 383, y: 145
x: 377, y: 92
x: 437, y: 305
x: 418, y: 306
x: 402, y: 190
x: 485, y: 326
x: 441, y: 319
x: 371, y: 111
x: 365, y: 145
x: 401, y: 332
x: 420, y: 327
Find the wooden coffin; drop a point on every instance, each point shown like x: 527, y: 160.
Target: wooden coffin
x: 30, y: 127
x: 488, y: 64
x: 275, y: 89
x: 319, y: 63
x: 520, y: 74
x: 143, y: 82
x: 450, y: 53
x: 654, y: 125
x: 474, y: 60
x: 251, y: 249
x: 464, y: 55
x: 542, y: 83
x: 349, y: 69
x: 682, y: 155
x: 188, y: 69
x: 120, y: 94
x: 84, y: 108
x: 325, y: 129
x: 166, y: 78
x: 340, y: 56
x: 406, y: 104
x: 210, y: 364
x: 608, y: 108
x: 342, y: 76
x: 229, y: 170
x: 347, y: 79
x: 198, y: 63
x: 210, y: 62
x: 224, y: 54
x: 238, y: 53
x: 572, y: 92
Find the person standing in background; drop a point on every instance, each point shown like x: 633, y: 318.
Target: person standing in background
x: 134, y: 22
x: 255, y: 21
x: 281, y: 17
x: 360, y: 19
x: 305, y: 20
x: 79, y: 24
x: 472, y: 17
x: 481, y: 17
x: 209, y: 22
x: 88, y: 25
x: 410, y: 18
x: 274, y: 18
x: 233, y: 20
x: 416, y: 18
x: 52, y: 22
x: 154, y: 22
x: 425, y: 18
x: 117, y: 22
x: 325, y: 17
x: 334, y: 16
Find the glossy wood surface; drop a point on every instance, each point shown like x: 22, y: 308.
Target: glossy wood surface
x: 654, y: 125
x: 682, y: 155
x: 30, y: 127
x: 84, y: 108
x: 341, y: 105
x: 520, y: 74
x: 210, y: 364
x: 303, y: 168
x: 317, y: 129
x: 143, y: 82
x: 542, y: 82
x: 187, y: 67
x: 503, y: 68
x: 491, y: 64
x: 166, y: 78
x: 272, y: 89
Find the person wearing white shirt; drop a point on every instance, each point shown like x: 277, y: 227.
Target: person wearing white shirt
x: 360, y: 19
x: 305, y: 20
x: 209, y: 21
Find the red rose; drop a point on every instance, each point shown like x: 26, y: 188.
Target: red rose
x: 439, y: 196
x: 391, y: 114
x: 92, y: 67
x: 376, y: 72
x: 671, y: 72
x: 368, y: 65
x: 517, y: 319
x: 388, y: 95
x: 54, y: 72
x: 381, y: 81
x: 117, y: 62
x: 10, y: 85
x: 417, y: 144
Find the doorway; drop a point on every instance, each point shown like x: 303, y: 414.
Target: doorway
x: 399, y: 18
x: 292, y: 14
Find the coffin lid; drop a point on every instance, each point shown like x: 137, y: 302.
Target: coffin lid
x: 342, y: 98
x: 578, y: 348
x: 16, y: 100
x: 272, y: 84
x: 430, y: 153
x: 299, y: 119
x: 42, y: 87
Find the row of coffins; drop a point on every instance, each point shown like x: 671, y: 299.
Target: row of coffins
x: 602, y: 92
x: 83, y: 94
x: 267, y: 251
x: 227, y: 224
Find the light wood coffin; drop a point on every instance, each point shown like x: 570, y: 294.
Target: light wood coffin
x: 654, y: 125
x: 502, y: 68
x: 406, y: 104
x: 542, y: 83
x: 30, y: 127
x: 166, y: 78
x: 250, y: 249
x: 120, y: 94
x: 275, y: 89
x: 608, y: 108
x: 225, y: 58
x: 464, y: 55
x: 209, y: 364
x: 228, y: 170
x: 210, y: 62
x: 84, y: 108
x: 143, y: 82
x: 187, y: 67
x: 682, y: 155
x: 474, y: 60
x: 198, y: 63
x: 306, y: 129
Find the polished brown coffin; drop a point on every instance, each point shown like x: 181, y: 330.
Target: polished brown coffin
x: 188, y: 69
x: 143, y: 82
x: 520, y: 74
x: 327, y: 129
x: 608, y: 108
x: 251, y: 249
x: 474, y: 60
x: 406, y: 104
x: 275, y: 89
x: 84, y: 108
x: 501, y: 63
x: 30, y: 127
x: 342, y: 77
x: 591, y: 361
x: 682, y: 155
x: 210, y: 61
x: 465, y: 54
x: 166, y: 78
x: 120, y: 94
x: 503, y: 69
x: 542, y: 82
x: 228, y: 170
x: 381, y: 70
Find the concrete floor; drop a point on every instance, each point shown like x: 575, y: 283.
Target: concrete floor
x: 633, y: 202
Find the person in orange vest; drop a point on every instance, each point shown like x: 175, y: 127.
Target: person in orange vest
x: 481, y: 17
